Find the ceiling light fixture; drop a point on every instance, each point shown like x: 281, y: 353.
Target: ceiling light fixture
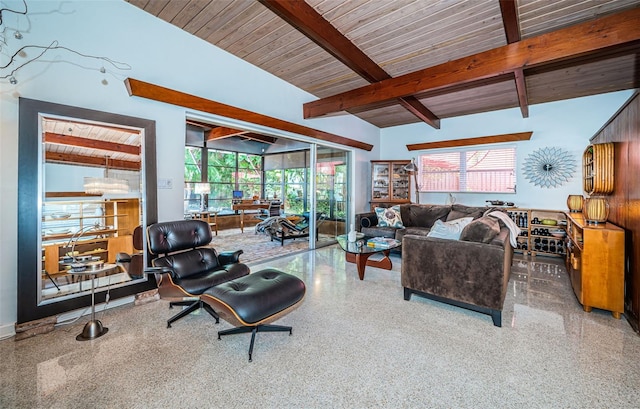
x: 105, y: 185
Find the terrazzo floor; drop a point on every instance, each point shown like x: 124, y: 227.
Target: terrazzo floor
x: 355, y: 344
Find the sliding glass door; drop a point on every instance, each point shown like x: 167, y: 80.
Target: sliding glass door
x: 332, y: 185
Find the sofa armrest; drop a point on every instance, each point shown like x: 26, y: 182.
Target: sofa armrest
x: 369, y: 219
x: 470, y: 272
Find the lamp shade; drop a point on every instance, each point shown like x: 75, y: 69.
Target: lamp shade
x: 411, y: 166
x: 596, y: 210
x: 203, y: 188
x: 575, y: 203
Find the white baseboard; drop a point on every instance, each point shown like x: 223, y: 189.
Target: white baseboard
x: 7, y: 331
x: 72, y: 315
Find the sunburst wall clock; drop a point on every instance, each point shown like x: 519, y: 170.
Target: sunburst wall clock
x: 549, y: 167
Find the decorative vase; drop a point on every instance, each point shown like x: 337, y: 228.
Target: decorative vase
x: 575, y: 203
x: 596, y: 210
x: 352, y: 234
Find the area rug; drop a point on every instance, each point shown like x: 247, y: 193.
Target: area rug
x: 257, y: 248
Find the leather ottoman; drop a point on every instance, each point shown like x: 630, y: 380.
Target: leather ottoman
x: 252, y: 301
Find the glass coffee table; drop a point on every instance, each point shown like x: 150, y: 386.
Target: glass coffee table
x: 358, y: 252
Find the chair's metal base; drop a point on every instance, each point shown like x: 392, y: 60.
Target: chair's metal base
x: 191, y: 307
x: 254, y: 330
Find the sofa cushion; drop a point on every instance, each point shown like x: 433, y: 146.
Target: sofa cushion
x: 377, y: 231
x: 389, y: 217
x: 423, y: 215
x: 482, y: 230
x: 458, y: 211
x: 449, y: 230
x: 418, y: 231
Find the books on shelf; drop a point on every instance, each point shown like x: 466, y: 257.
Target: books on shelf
x: 382, y: 242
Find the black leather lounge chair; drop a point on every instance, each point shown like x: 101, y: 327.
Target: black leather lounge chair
x: 133, y: 264
x: 185, y: 268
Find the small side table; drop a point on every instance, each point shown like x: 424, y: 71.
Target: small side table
x: 92, y: 329
x: 206, y: 216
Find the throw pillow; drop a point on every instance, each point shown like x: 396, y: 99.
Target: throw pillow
x: 481, y: 230
x: 389, y: 217
x: 450, y: 230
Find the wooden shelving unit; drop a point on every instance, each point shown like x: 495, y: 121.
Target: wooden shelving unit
x: 536, y: 239
x: 597, y: 169
x: 595, y: 262
x: 61, y: 220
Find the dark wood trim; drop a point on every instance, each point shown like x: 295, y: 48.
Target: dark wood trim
x: 29, y: 195
x: 161, y: 94
x: 60, y: 139
x: 616, y: 30
x: 304, y: 18
x: 480, y: 140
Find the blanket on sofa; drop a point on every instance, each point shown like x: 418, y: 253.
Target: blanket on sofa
x: 514, y: 230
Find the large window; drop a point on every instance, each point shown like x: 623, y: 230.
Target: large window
x: 490, y: 170
x: 286, y: 177
x: 226, y: 172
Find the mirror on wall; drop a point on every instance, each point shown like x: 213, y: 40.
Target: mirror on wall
x: 87, y: 180
x: 91, y: 194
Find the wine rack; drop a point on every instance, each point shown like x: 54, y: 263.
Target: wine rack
x: 537, y: 238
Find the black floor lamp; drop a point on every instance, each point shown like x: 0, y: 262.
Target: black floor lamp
x: 413, y: 168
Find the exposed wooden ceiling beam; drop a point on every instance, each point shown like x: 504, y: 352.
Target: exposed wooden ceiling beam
x: 221, y: 132
x: 571, y: 42
x: 55, y: 138
x: 480, y: 140
x: 157, y: 93
x: 260, y: 138
x: 309, y: 22
x: 94, y: 161
x: 511, y: 22
x: 203, y: 125
x: 509, y: 10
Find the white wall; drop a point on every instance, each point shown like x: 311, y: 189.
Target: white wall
x: 566, y: 124
x: 158, y: 53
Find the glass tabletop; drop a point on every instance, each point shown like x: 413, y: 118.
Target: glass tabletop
x: 361, y: 246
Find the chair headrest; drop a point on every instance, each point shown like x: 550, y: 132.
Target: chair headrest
x: 137, y: 238
x: 169, y: 237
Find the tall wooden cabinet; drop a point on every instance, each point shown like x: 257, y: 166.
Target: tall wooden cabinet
x: 390, y: 183
x: 595, y: 262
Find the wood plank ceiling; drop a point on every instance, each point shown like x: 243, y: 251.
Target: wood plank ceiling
x: 94, y: 145
x: 330, y: 47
